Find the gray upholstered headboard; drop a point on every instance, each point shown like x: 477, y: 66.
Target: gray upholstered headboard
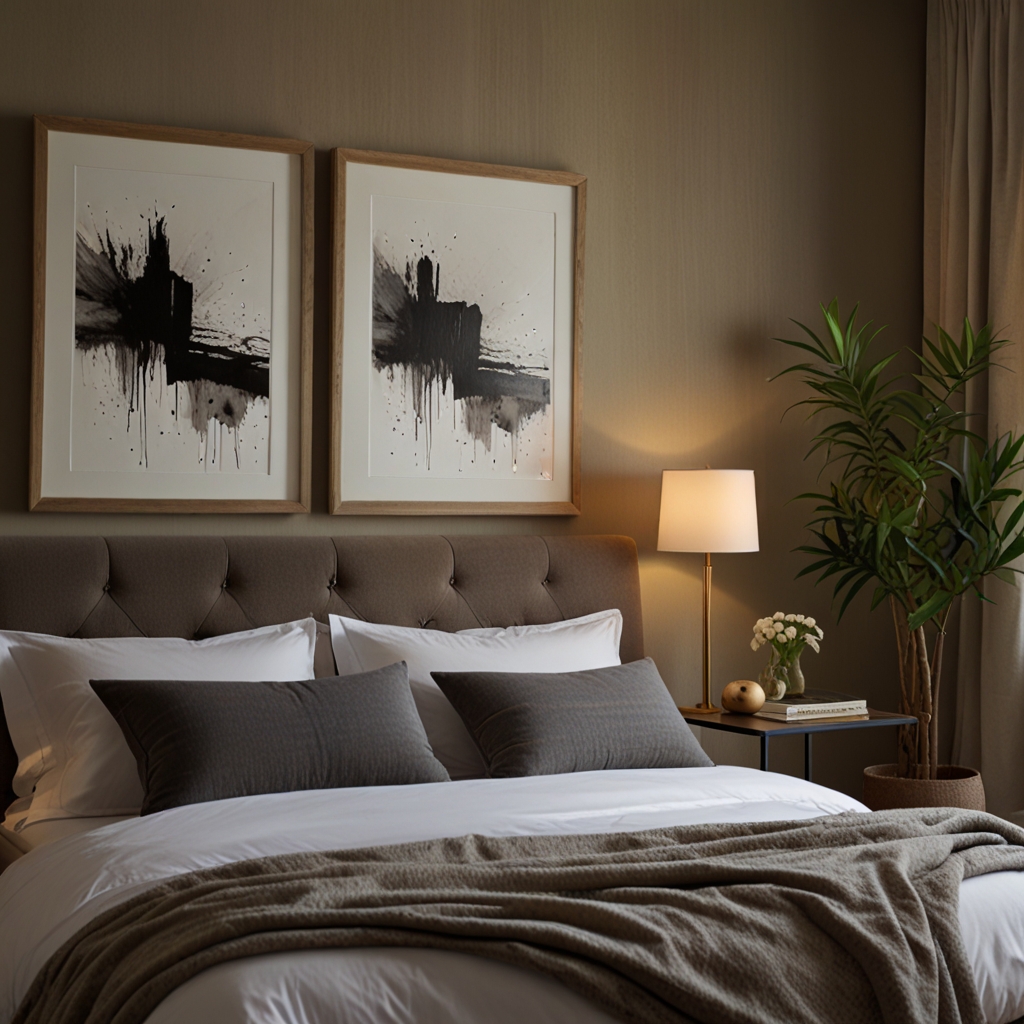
x: 196, y: 587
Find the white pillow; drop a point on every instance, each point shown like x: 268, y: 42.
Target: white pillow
x: 73, y: 760
x: 574, y: 645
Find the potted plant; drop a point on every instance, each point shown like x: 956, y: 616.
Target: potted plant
x: 918, y: 505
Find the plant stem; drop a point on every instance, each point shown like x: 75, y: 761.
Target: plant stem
x: 940, y: 641
x: 908, y: 736
x: 924, y: 716
x: 900, y: 622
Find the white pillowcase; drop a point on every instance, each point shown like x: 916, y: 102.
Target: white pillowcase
x: 591, y: 641
x: 73, y: 760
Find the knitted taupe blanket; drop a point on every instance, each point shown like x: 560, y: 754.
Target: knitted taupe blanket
x: 847, y: 919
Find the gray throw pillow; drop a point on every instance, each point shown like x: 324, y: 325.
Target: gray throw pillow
x: 550, y: 723
x: 199, y: 741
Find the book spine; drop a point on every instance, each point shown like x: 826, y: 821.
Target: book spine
x: 809, y: 715
x: 797, y: 710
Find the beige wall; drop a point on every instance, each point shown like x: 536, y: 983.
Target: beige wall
x: 745, y: 160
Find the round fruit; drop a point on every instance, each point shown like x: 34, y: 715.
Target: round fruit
x: 743, y: 696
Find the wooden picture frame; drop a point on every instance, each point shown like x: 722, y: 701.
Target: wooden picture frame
x: 423, y: 345
x: 134, y: 315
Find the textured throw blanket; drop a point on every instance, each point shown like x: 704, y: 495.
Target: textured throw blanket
x: 849, y: 918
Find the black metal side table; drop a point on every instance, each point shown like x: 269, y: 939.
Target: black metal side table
x: 765, y: 728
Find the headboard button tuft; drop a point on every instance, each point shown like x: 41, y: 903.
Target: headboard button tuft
x: 224, y: 585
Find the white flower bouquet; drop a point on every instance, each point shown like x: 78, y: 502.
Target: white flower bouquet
x: 788, y: 635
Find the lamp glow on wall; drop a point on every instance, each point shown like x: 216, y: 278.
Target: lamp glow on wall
x: 713, y: 511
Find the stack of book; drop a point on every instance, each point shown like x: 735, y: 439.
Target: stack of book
x: 813, y: 704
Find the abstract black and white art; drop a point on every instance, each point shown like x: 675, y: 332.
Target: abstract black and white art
x: 463, y: 330
x: 173, y: 329
x: 457, y: 316
x: 172, y: 323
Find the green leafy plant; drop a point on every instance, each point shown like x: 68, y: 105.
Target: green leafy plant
x: 918, y: 504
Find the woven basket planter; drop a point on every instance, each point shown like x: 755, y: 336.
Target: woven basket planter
x: 955, y: 787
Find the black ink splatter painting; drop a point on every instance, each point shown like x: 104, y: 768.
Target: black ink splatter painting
x: 172, y: 337
x: 462, y: 339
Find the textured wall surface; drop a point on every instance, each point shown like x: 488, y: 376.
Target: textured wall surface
x: 745, y: 161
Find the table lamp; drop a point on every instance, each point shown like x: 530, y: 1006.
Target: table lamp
x: 709, y: 510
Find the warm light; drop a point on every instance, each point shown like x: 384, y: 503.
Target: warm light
x: 709, y: 510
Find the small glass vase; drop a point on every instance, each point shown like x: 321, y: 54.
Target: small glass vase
x: 795, y: 682
x: 778, y: 679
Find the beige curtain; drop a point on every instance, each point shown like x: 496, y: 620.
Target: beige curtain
x: 974, y: 266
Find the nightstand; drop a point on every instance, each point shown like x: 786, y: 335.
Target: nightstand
x: 766, y: 728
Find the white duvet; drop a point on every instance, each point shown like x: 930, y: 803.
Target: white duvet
x: 51, y: 892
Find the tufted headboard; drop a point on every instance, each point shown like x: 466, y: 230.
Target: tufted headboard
x: 196, y: 587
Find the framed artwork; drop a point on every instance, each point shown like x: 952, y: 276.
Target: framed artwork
x: 456, y: 334
x: 172, y: 341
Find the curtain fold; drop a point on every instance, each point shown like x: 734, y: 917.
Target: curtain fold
x: 974, y: 267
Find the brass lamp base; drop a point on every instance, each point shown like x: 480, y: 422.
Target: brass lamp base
x: 700, y: 709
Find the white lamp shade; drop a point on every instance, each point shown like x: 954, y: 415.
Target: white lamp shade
x: 710, y: 510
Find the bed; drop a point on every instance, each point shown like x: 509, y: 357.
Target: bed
x: 63, y: 873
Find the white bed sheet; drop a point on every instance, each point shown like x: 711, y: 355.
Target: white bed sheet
x: 38, y: 833
x: 54, y: 890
